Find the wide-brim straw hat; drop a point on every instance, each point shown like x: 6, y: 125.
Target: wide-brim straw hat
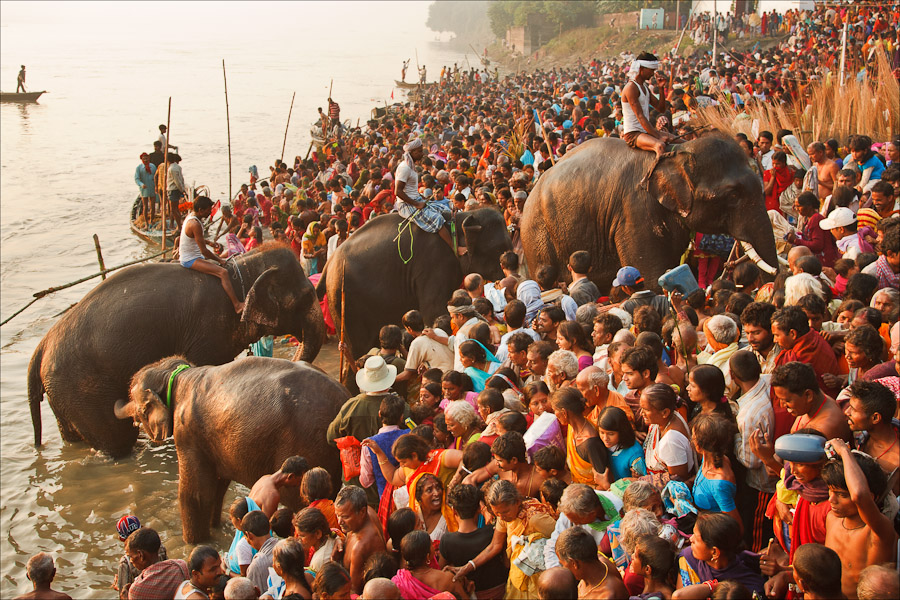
x: 376, y: 376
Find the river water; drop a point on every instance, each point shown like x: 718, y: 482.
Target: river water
x: 67, y: 172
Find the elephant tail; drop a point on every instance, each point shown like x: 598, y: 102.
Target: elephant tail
x: 36, y: 391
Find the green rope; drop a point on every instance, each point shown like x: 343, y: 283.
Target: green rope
x: 408, y: 225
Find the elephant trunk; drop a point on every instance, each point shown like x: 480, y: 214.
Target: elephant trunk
x: 312, y: 334
x: 123, y: 410
x: 756, y: 230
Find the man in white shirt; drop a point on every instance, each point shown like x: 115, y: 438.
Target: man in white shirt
x: 514, y: 316
x: 428, y: 216
x: 463, y: 316
x: 765, y: 153
x: 842, y: 225
x: 424, y: 352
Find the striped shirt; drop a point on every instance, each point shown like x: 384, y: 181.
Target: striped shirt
x: 755, y: 412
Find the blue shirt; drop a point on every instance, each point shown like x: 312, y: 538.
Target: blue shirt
x: 716, y: 495
x: 623, y: 460
x: 874, y: 162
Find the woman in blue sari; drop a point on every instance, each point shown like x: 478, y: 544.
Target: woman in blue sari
x: 479, y: 362
x: 626, y: 455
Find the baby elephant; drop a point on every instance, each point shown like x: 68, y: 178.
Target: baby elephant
x: 237, y: 421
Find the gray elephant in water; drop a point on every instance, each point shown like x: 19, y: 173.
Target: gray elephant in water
x: 234, y: 422
x: 147, y: 312
x: 593, y: 200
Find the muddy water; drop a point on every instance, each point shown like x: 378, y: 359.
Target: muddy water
x: 67, y: 172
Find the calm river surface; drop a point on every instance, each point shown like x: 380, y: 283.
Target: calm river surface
x: 67, y: 173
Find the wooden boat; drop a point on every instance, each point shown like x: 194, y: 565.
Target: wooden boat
x: 404, y: 85
x: 152, y: 234
x: 20, y: 97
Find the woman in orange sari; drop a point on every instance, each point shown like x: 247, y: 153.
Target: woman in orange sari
x: 415, y: 459
x: 521, y: 523
x: 586, y: 456
x: 315, y: 490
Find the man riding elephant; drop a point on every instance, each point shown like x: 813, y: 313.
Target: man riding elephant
x: 428, y: 215
x: 638, y: 132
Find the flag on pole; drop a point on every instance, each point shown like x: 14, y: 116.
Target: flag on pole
x: 215, y: 209
x: 392, y: 94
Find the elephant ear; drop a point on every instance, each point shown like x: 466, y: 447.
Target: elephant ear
x: 673, y: 182
x: 261, y: 304
x: 138, y: 408
x: 471, y: 231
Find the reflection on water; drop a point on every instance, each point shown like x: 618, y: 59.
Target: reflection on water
x: 67, y: 172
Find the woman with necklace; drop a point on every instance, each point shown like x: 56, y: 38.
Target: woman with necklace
x: 713, y: 556
x: 312, y: 530
x: 667, y: 448
x: 437, y: 518
x: 586, y: 456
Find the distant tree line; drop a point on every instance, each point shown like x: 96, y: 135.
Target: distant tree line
x: 563, y: 14
x: 467, y: 20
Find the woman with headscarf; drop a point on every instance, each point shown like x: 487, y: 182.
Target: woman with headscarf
x: 314, y: 248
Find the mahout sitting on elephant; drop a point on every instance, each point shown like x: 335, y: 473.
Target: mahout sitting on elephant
x: 381, y: 277
x: 234, y: 422
x: 146, y: 312
x: 593, y: 200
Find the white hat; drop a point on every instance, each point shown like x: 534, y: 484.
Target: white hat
x: 376, y: 376
x: 839, y: 217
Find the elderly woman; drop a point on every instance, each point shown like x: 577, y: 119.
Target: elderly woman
x: 799, y: 285
x: 713, y: 555
x: 437, y: 518
x: 722, y: 336
x: 586, y: 456
x: 462, y: 421
x: 562, y: 368
x: 517, y: 518
x: 585, y: 507
x: 667, y: 448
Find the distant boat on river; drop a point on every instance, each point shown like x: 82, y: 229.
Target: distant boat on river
x: 404, y: 85
x: 20, y: 96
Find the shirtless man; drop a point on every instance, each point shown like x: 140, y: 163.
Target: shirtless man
x: 266, y: 492
x: 40, y: 572
x: 192, y: 250
x: 794, y: 385
x: 855, y: 528
x: 870, y: 409
x: 826, y: 169
x: 597, y: 577
x: 511, y: 463
x: 636, y: 100
x: 364, y: 535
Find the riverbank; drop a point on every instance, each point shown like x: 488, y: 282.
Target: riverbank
x: 579, y: 46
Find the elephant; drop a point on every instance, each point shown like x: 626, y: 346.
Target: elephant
x: 237, y: 421
x: 368, y: 272
x: 146, y: 312
x: 594, y: 200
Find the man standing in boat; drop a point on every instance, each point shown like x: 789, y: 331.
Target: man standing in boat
x: 144, y: 178
x: 403, y: 70
x: 20, y: 81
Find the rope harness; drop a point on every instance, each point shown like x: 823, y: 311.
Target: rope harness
x: 237, y: 268
x: 177, y: 370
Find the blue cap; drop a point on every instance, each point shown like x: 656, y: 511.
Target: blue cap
x: 627, y: 276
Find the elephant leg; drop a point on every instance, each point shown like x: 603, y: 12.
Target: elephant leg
x: 197, y: 486
x: 68, y: 432
x: 216, y: 516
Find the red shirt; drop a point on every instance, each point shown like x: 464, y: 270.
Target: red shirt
x: 812, y: 349
x: 820, y: 242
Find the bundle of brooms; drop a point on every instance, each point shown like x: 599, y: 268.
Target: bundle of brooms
x: 870, y: 107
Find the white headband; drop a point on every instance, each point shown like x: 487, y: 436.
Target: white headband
x: 650, y: 64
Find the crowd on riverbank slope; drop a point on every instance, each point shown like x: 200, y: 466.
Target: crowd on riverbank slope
x: 557, y: 440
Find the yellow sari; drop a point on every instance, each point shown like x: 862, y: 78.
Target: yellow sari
x: 582, y: 471
x: 533, y: 522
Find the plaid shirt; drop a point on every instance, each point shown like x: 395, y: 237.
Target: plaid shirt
x: 159, y: 581
x: 755, y: 412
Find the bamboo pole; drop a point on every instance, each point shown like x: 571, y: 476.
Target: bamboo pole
x: 228, y: 124
x: 99, y: 255
x: 164, y: 199
x: 42, y: 293
x: 287, y: 126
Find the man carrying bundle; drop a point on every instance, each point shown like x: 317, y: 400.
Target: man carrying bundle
x: 429, y: 216
x: 636, y: 103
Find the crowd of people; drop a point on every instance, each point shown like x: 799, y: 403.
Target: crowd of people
x: 549, y: 439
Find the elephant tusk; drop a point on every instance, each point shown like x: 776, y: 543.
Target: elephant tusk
x: 748, y: 248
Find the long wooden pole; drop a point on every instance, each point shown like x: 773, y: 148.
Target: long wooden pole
x: 100, y: 255
x: 288, y: 125
x: 165, y: 192
x: 343, y: 304
x: 228, y: 124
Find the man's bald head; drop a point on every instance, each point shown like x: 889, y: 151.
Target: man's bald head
x: 557, y: 583
x: 474, y: 285
x: 241, y: 588
x: 380, y: 588
x: 877, y: 581
x: 795, y: 253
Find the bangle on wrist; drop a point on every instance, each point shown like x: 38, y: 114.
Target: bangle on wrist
x: 473, y: 564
